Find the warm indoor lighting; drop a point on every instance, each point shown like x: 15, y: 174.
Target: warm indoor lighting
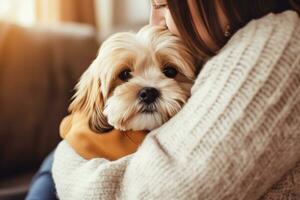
x: 18, y: 11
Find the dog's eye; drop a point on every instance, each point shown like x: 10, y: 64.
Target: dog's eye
x: 170, y: 71
x: 125, y: 75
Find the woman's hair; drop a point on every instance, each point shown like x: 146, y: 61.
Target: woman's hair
x: 238, y: 13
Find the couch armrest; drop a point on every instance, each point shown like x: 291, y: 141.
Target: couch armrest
x: 38, y: 70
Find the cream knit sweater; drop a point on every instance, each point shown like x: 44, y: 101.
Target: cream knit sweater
x: 237, y: 136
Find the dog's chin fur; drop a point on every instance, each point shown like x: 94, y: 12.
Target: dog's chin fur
x: 110, y: 102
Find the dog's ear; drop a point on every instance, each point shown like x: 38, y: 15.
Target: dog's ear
x: 88, y: 99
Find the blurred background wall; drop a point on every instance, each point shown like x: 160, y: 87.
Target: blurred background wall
x: 107, y: 16
x: 117, y: 15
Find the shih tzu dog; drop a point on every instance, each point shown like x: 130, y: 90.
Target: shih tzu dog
x: 137, y: 82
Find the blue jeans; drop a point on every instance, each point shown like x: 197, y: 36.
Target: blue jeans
x: 42, y: 185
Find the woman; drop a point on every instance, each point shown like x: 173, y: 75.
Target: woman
x: 235, y: 138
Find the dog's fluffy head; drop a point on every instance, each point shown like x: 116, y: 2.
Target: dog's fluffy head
x: 137, y: 82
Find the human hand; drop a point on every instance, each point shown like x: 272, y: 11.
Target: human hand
x: 112, y: 145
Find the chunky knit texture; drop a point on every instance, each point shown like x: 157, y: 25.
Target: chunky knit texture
x: 236, y: 137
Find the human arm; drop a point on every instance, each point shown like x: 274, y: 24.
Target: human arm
x: 237, y: 135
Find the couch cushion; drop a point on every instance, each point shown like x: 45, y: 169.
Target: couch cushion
x: 38, y: 70
x: 15, y: 187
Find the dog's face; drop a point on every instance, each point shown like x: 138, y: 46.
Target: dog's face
x: 137, y: 82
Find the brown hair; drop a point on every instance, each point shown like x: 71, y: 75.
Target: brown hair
x: 238, y: 13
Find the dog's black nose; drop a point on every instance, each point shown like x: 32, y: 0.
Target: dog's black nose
x: 148, y: 95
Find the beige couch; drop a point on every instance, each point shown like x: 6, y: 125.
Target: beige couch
x: 38, y: 70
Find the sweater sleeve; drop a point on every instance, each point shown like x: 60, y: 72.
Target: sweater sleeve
x: 237, y: 135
